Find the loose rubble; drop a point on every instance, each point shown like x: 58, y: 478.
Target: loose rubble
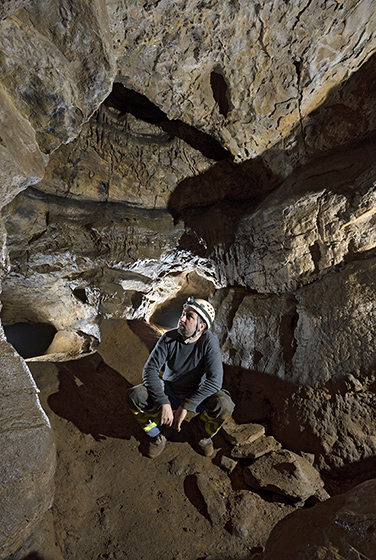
x: 266, y: 466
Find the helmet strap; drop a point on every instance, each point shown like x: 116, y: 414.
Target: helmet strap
x: 196, y: 333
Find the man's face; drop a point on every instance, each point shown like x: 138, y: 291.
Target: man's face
x: 188, y: 322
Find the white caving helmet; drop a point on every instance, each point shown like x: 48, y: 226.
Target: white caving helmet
x: 202, y: 308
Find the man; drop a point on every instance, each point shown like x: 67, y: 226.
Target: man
x: 191, y: 382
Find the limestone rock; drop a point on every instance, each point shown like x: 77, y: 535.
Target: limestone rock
x: 287, y: 474
x: 125, y: 243
x: 310, y: 337
x: 245, y: 72
x: 337, y: 425
x: 27, y: 454
x: 337, y: 528
x: 351, y: 340
x: 255, y: 449
x: 57, y: 67
x: 118, y: 158
x: 309, y: 225
x: 242, y: 433
x: 67, y: 342
x: 261, y: 334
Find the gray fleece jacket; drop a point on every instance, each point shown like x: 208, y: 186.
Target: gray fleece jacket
x: 191, y: 370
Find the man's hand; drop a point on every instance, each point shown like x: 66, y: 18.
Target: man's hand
x: 179, y: 415
x: 167, y: 416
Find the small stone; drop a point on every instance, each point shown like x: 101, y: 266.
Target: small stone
x: 310, y: 457
x: 242, y: 433
x: 227, y: 464
x: 256, y: 449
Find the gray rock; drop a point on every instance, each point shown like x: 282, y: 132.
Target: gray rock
x: 287, y: 474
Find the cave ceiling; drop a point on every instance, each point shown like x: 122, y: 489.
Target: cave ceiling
x: 149, y: 142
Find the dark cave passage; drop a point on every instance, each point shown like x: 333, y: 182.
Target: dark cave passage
x: 30, y: 339
x: 128, y: 101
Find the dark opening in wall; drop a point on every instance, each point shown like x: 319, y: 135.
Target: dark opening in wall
x: 168, y: 315
x: 220, y: 93
x: 80, y: 294
x: 128, y: 101
x: 30, y: 339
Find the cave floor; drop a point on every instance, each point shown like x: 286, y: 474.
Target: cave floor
x: 111, y: 501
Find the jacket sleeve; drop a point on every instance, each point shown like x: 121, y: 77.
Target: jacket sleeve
x: 213, y: 378
x: 150, y: 374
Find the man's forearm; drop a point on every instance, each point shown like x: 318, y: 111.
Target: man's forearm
x: 209, y: 388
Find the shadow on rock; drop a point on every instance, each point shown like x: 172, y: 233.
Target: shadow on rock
x: 194, y: 495
x: 93, y: 397
x: 345, y: 478
x: 212, y: 204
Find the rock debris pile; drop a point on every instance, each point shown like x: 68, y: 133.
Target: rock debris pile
x: 266, y: 466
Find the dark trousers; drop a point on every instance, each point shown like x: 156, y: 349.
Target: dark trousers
x: 213, y: 411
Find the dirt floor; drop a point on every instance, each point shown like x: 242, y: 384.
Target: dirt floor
x: 112, y: 502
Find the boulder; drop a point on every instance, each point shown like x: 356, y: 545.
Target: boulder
x: 340, y: 528
x: 67, y: 342
x: 287, y: 474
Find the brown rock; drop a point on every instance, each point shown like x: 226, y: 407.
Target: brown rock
x: 335, y: 529
x: 252, y: 518
x: 227, y: 464
x: 122, y: 159
x: 255, y: 449
x: 287, y: 474
x: 214, y: 502
x: 251, y: 85
x: 242, y: 433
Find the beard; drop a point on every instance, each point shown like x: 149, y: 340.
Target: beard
x: 182, y: 329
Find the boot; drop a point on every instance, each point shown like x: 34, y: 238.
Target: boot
x: 204, y: 444
x: 205, y: 447
x: 156, y: 446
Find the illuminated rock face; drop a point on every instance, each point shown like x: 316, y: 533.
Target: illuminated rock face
x: 154, y: 150
x: 27, y: 451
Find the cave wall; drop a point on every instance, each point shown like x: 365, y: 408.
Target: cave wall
x: 150, y: 150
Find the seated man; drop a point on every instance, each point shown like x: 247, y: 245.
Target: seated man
x: 192, y: 381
